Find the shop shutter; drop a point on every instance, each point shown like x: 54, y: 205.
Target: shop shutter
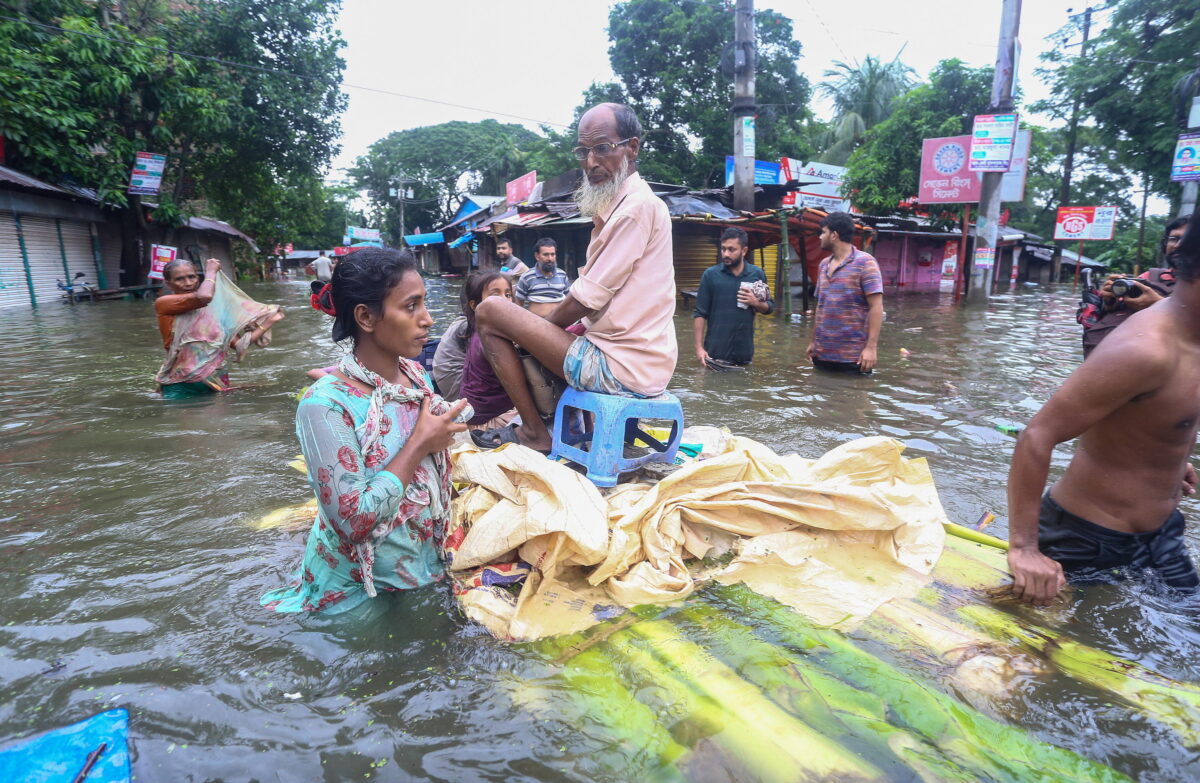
x: 13, y: 290
x: 78, y: 243
x: 768, y: 259
x: 45, y: 258
x: 110, y: 251
x: 695, y: 250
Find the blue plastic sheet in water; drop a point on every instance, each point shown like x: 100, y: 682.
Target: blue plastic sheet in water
x: 58, y: 755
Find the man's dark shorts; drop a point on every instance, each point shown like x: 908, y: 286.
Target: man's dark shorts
x: 846, y: 367
x: 1087, y: 550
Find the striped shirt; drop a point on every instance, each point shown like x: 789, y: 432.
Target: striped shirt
x: 840, y: 333
x: 536, y: 287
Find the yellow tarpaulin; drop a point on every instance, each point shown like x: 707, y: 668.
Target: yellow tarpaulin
x: 833, y: 538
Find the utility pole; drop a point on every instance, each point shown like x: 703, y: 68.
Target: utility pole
x: 744, y: 108
x: 1064, y: 193
x: 987, y: 223
x: 400, y: 182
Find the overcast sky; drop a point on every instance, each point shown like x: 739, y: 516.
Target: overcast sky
x: 534, y: 58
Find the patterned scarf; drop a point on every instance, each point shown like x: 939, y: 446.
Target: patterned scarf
x: 422, y: 490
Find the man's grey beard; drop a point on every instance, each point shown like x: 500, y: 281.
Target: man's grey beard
x: 594, y: 199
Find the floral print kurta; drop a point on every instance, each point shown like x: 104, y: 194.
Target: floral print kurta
x: 355, y: 497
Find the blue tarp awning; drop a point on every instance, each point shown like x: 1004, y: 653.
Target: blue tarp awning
x: 465, y: 238
x: 412, y: 240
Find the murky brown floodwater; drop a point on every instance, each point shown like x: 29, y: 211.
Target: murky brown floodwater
x: 131, y: 574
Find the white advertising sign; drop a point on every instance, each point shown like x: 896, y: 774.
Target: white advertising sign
x: 826, y: 194
x: 992, y: 142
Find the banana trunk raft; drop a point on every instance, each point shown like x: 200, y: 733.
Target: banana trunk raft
x: 765, y: 618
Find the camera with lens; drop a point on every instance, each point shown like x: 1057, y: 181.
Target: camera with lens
x: 1127, y: 287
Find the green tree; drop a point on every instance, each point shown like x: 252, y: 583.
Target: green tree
x: 883, y: 170
x: 863, y: 95
x: 442, y: 163
x: 667, y: 57
x: 1121, y: 254
x: 88, y: 85
x: 1127, y: 81
x: 1098, y: 180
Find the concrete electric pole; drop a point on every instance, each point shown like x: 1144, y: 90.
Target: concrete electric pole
x: 1064, y: 192
x: 744, y: 108
x: 987, y: 224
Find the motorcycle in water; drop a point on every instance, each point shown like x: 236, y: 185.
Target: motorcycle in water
x: 77, y: 290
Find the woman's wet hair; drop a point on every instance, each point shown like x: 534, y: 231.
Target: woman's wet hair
x: 365, y: 277
x: 1186, y: 258
x: 473, y: 292
x: 178, y: 263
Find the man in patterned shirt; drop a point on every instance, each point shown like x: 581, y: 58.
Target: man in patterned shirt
x: 849, y: 302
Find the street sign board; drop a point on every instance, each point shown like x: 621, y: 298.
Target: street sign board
x: 1085, y: 223
x: 826, y: 194
x: 160, y: 256
x: 765, y: 172
x: 992, y: 142
x: 1012, y: 184
x: 1185, y: 166
x: 519, y: 189
x: 146, y: 177
x: 366, y: 234
x: 748, y: 137
x: 945, y: 178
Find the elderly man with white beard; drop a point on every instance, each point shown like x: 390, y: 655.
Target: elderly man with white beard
x: 619, y: 312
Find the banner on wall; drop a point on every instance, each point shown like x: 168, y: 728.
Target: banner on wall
x: 949, y: 268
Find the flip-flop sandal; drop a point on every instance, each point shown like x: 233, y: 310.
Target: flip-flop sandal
x: 497, y: 437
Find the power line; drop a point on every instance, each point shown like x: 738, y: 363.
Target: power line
x: 277, y: 71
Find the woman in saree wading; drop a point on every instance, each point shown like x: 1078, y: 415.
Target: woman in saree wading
x: 375, y: 437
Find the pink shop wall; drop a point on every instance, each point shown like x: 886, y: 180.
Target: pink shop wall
x: 910, y: 263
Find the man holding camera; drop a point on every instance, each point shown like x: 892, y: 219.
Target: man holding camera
x: 1135, y: 407
x: 1118, y: 297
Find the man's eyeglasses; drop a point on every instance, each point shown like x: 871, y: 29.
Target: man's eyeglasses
x: 601, y: 150
x: 1174, y: 240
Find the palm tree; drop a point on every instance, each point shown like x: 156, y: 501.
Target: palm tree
x: 862, y: 95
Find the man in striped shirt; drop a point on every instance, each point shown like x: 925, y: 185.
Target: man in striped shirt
x: 545, y: 285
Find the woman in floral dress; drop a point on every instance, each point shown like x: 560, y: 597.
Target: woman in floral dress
x: 375, y: 437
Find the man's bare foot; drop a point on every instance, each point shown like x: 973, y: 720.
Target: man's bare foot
x: 538, y: 441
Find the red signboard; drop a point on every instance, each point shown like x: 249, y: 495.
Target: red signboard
x: 342, y: 250
x: 945, y: 176
x: 519, y: 189
x: 1085, y: 223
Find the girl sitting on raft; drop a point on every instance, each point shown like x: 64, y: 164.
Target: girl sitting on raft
x: 375, y: 437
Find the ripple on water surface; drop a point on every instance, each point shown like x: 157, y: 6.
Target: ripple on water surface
x: 133, y: 573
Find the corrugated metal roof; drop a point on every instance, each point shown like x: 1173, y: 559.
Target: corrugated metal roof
x: 14, y: 177
x: 212, y: 224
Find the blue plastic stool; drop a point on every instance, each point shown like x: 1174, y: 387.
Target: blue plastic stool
x: 615, y: 424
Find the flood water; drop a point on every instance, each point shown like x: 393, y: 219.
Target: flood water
x: 131, y: 570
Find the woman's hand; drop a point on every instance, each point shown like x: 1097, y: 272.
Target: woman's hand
x: 434, y: 433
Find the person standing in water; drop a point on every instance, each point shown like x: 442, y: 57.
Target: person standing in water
x: 375, y: 438
x: 1134, y: 405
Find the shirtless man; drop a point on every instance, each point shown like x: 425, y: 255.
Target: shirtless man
x: 1135, y: 407
x: 624, y: 296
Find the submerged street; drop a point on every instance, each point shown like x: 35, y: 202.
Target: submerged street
x: 133, y: 565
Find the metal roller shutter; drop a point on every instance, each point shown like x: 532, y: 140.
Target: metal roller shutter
x: 45, y: 258
x: 77, y: 241
x: 695, y: 250
x: 110, y: 250
x: 13, y: 290
x: 768, y: 258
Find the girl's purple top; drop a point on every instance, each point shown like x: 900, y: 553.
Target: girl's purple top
x: 480, y: 385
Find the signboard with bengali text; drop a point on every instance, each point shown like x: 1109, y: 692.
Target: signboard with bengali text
x: 1085, y: 223
x: 519, y: 189
x: 1185, y: 166
x: 146, y: 177
x: 992, y: 141
x: 160, y: 256
x: 825, y: 194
